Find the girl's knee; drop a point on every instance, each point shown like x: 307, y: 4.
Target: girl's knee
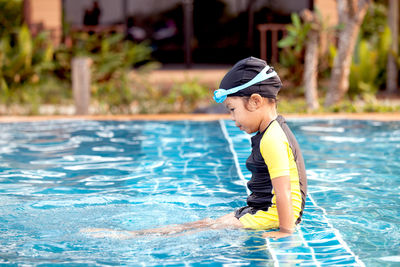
x: 228, y: 221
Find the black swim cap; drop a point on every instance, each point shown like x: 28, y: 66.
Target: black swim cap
x: 245, y: 70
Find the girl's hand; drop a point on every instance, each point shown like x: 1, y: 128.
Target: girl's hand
x: 276, y: 235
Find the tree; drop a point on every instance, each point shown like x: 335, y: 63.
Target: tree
x: 393, y: 21
x: 351, y: 15
x: 310, y: 74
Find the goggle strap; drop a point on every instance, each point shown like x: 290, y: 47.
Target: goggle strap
x: 259, y: 78
x: 220, y: 94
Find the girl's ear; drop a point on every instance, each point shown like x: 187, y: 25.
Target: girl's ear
x: 254, y: 102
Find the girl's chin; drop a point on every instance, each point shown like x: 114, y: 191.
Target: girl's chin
x: 245, y: 130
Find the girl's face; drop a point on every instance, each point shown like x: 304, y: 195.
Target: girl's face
x: 245, y: 119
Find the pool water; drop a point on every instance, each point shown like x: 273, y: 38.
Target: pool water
x: 58, y: 177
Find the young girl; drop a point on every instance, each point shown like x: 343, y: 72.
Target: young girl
x: 278, y: 183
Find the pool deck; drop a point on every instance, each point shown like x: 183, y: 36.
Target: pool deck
x: 201, y: 117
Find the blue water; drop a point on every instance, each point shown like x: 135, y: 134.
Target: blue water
x: 58, y: 177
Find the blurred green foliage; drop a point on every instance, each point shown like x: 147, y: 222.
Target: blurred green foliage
x: 369, y: 104
x: 296, y: 34
x: 112, y: 59
x: 368, y: 67
x: 10, y: 16
x: 292, y: 55
x: 33, y: 72
x: 181, y: 97
x: 186, y: 95
x: 25, y: 62
x: 374, y: 21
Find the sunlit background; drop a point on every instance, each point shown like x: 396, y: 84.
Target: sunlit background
x: 168, y: 56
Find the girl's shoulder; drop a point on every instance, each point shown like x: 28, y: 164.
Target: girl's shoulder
x: 274, y: 132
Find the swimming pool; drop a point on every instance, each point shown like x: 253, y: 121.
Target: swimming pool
x: 57, y: 177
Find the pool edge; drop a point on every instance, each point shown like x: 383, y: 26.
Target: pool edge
x: 200, y: 117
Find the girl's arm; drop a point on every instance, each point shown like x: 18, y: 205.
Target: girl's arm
x: 284, y: 205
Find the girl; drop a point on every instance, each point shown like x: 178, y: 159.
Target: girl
x: 278, y: 183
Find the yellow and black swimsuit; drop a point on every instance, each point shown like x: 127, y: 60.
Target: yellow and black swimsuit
x: 275, y: 152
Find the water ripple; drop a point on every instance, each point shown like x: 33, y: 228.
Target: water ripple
x: 58, y: 177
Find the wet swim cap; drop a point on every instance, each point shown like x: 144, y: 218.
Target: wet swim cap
x: 249, y: 76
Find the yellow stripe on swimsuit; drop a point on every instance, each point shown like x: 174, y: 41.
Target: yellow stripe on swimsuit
x: 275, y: 153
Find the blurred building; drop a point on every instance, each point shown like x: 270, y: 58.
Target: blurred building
x: 44, y: 15
x: 203, y: 31
x: 328, y: 11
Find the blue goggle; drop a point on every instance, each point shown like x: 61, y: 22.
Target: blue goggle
x: 221, y: 94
